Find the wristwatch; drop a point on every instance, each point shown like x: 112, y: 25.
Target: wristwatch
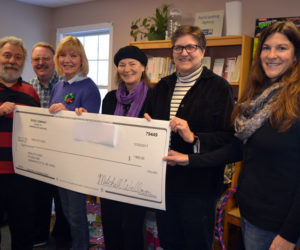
x: 196, y: 140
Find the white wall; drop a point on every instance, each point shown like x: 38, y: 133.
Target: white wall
x: 122, y: 12
x: 29, y: 22
x: 35, y: 24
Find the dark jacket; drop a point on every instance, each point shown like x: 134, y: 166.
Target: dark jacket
x: 268, y: 191
x: 269, y: 184
x: 206, y: 107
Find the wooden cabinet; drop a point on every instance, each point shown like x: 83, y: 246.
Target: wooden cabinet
x: 217, y: 47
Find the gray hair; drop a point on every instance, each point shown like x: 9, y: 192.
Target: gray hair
x: 14, y: 41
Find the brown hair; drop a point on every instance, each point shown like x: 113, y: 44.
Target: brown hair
x: 44, y: 45
x: 74, y: 43
x: 194, y: 31
x: 285, y: 110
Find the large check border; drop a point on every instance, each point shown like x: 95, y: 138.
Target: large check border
x: 34, y: 127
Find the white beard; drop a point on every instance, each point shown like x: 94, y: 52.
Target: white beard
x: 10, y: 76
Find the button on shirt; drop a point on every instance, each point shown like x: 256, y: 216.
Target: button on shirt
x: 44, y: 93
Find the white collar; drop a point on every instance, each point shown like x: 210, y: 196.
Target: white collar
x: 76, y: 78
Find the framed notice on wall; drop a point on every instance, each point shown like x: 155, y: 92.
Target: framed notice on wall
x: 211, y: 23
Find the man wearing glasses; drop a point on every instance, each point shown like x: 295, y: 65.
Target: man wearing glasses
x: 46, y: 77
x: 44, y: 68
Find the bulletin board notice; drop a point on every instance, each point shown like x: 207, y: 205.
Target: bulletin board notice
x: 211, y: 23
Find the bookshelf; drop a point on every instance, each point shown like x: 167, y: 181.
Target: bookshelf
x: 216, y: 47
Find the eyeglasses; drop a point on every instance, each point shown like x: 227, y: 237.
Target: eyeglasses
x: 42, y: 58
x: 190, y: 48
x: 17, y: 57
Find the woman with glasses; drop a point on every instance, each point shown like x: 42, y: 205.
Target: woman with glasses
x: 198, y: 104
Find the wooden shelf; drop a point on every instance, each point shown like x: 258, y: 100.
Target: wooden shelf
x: 210, y: 41
x: 235, y: 212
x: 159, y: 44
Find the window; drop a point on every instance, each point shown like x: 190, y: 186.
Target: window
x: 97, y: 42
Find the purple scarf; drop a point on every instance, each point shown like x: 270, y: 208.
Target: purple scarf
x: 136, y: 98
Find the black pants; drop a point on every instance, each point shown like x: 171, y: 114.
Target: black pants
x: 16, y: 201
x: 188, y: 223
x: 122, y: 225
x: 44, y: 193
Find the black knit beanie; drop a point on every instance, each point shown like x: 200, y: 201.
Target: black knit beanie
x: 130, y: 52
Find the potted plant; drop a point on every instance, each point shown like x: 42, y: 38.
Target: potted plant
x: 154, y: 28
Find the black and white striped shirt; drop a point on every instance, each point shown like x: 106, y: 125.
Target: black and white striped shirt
x: 183, y: 84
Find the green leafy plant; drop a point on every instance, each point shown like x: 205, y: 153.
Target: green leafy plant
x: 153, y: 27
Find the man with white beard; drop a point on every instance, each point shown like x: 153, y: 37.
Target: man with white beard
x: 45, y: 79
x: 16, y: 191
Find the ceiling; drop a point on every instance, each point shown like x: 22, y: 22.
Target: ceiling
x: 53, y: 3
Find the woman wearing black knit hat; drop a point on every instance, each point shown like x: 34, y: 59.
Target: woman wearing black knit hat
x: 123, y: 223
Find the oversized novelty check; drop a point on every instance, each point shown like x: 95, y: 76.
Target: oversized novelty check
x: 113, y: 157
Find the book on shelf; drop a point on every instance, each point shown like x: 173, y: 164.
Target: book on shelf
x: 229, y: 67
x: 235, y: 76
x: 218, y: 66
x: 206, y: 61
x: 159, y: 67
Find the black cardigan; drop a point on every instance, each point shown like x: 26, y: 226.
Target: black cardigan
x: 206, y: 107
x: 269, y: 185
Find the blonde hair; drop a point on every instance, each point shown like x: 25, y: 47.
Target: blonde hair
x: 73, y: 43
